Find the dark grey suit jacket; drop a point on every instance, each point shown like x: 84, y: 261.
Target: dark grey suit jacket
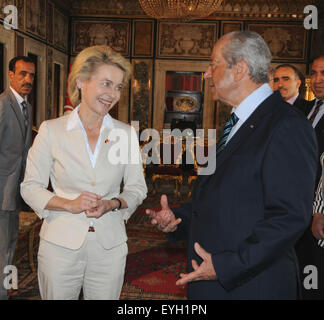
x: 14, y: 146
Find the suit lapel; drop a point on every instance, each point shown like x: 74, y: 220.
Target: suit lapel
x: 14, y: 105
x: 77, y: 146
x: 238, y: 139
x: 104, y: 146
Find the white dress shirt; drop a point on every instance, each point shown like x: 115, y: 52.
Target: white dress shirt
x: 248, y: 105
x: 293, y: 99
x: 18, y: 97
x: 75, y: 122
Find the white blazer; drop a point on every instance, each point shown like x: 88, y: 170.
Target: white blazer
x: 61, y: 155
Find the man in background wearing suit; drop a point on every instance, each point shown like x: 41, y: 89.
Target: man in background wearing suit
x: 291, y: 83
x: 308, y: 251
x: 246, y: 217
x: 15, y: 140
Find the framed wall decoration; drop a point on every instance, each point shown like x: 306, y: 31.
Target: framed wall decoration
x: 229, y: 26
x: 7, y: 40
x: 60, y: 27
x: 183, y: 40
x: 114, y: 33
x: 3, y: 4
x: 20, y: 4
x: 49, y: 21
x: 143, y: 38
x: 141, y: 96
x: 36, y: 17
x: 286, y: 41
x: 34, y: 48
x: 49, y: 112
x: 317, y: 46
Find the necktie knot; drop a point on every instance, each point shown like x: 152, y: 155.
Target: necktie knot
x: 230, y: 123
x: 233, y: 118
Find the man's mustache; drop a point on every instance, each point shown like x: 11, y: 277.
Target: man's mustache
x: 27, y: 85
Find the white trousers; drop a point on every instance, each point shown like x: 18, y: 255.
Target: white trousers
x: 62, y: 272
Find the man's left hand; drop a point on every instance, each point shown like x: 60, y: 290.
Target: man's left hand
x: 205, y: 271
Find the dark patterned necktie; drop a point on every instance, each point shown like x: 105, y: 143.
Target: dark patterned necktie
x: 232, y: 120
x: 318, y: 104
x: 25, y: 113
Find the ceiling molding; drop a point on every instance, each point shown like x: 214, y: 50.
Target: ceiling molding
x: 241, y: 9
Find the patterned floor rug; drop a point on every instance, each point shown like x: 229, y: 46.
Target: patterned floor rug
x: 152, y: 268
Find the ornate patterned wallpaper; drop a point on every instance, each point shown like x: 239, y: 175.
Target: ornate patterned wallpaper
x: 286, y: 42
x: 194, y: 40
x: 141, y: 97
x: 35, y: 20
x: 90, y: 33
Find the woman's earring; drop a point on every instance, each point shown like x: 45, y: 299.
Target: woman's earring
x: 79, y: 94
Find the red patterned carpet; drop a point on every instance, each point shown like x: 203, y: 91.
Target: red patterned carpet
x: 152, y: 268
x: 153, y: 265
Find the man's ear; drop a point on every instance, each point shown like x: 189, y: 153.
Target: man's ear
x: 241, y: 69
x: 10, y: 74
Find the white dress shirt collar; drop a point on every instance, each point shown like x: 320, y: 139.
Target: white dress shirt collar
x: 248, y: 105
x: 18, y: 97
x: 74, y: 121
x: 292, y: 99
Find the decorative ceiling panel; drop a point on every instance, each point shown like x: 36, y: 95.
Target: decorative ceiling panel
x: 230, y: 8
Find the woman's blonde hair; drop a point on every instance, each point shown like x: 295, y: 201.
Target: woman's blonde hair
x: 87, y: 62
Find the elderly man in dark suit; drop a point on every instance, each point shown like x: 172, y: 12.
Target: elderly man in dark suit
x: 309, y: 252
x: 15, y: 133
x: 246, y: 217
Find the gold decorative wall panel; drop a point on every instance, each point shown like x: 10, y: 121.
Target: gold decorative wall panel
x: 194, y: 40
x: 143, y: 38
x: 230, y: 26
x: 61, y: 27
x: 286, y: 41
x: 89, y: 33
x: 36, y: 17
x: 141, y: 97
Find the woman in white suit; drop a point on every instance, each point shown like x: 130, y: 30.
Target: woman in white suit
x: 87, y: 155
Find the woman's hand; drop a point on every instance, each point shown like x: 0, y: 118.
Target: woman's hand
x: 103, y: 207
x: 84, y: 202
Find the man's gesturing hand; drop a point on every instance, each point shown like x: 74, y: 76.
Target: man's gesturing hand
x: 205, y: 271
x: 164, y: 219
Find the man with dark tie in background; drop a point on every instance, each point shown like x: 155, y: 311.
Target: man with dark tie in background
x: 15, y: 140
x: 246, y: 217
x: 315, y: 109
x: 309, y: 252
x: 291, y: 83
